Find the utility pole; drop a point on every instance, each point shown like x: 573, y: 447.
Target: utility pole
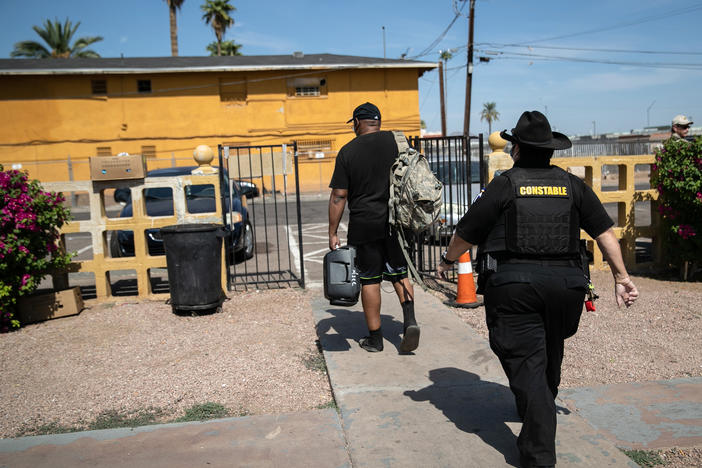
x: 384, y: 42
x: 648, y: 114
x: 442, y: 101
x: 469, y: 72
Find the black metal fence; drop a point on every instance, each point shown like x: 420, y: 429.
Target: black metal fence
x: 462, y: 168
x: 272, y: 212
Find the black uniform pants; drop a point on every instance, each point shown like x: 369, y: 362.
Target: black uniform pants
x: 530, y: 311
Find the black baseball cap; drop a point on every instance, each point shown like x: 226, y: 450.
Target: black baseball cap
x: 365, y: 111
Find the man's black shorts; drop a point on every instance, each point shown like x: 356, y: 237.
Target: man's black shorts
x: 380, y: 259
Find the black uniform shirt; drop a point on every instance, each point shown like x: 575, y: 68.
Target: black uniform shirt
x: 363, y: 168
x: 482, y: 215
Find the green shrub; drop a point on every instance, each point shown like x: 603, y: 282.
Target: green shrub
x: 29, y: 222
x: 677, y: 175
x: 204, y: 411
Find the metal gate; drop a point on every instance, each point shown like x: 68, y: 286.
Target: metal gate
x: 259, y: 175
x: 458, y: 162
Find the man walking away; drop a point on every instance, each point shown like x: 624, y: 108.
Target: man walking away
x: 362, y: 176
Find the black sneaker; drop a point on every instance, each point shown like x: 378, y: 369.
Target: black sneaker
x: 410, y: 339
x: 367, y: 344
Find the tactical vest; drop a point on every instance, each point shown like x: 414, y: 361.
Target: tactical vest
x: 542, y: 220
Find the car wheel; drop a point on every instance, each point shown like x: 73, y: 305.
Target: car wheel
x: 115, y: 251
x: 248, y: 241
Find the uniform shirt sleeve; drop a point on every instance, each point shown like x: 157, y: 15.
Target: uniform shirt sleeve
x: 593, y: 216
x: 482, y: 215
x: 340, y: 177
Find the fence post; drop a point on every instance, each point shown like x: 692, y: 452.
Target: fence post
x: 299, y: 217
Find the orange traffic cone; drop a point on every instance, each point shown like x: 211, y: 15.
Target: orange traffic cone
x: 466, y: 286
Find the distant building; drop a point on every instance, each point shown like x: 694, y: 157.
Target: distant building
x: 163, y: 107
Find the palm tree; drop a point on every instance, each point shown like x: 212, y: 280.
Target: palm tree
x: 173, y: 6
x: 490, y: 114
x: 58, y: 37
x: 226, y: 48
x: 217, y: 14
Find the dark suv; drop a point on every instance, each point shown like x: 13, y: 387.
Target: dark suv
x: 199, y: 199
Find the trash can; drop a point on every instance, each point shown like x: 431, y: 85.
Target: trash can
x: 194, y: 261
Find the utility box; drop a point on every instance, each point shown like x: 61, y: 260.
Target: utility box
x: 45, y: 306
x: 117, y: 167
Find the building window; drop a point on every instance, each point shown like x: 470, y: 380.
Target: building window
x: 144, y: 86
x: 232, y: 89
x: 307, y: 91
x: 307, y: 87
x: 315, y: 149
x: 104, y: 151
x: 148, y: 152
x: 99, y: 86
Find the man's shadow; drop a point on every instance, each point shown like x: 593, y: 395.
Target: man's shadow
x: 345, y: 324
x: 479, y: 407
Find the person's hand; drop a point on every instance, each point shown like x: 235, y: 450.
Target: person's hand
x: 441, y: 270
x: 334, y: 242
x: 625, y: 292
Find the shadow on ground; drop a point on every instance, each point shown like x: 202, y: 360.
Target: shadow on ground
x: 345, y: 324
x: 475, y: 406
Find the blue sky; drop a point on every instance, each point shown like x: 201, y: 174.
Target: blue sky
x: 579, y: 97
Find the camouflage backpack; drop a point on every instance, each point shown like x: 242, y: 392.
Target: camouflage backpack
x: 415, y: 196
x: 415, y: 192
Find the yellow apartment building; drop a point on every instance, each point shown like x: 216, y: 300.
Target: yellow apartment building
x: 57, y: 113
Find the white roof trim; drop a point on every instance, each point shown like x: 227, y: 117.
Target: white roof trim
x: 223, y: 68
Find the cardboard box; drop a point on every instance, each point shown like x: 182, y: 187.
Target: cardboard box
x: 45, y: 306
x: 117, y: 167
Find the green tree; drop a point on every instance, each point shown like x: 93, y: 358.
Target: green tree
x: 217, y: 14
x: 58, y: 38
x: 226, y: 48
x: 173, y: 7
x: 490, y: 114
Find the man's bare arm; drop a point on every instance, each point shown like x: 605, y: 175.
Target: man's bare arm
x: 337, y: 203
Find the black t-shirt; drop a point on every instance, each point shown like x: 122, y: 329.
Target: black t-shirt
x: 363, y: 168
x: 477, y: 223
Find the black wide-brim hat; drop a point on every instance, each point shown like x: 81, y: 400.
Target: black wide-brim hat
x: 534, y: 130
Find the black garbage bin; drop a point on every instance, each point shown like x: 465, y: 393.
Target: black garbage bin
x: 194, y: 260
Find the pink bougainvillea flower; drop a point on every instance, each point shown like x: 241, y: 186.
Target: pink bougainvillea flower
x: 25, y: 279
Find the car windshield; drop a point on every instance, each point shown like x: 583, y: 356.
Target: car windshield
x: 454, y: 173
x: 159, y: 193
x: 199, y: 191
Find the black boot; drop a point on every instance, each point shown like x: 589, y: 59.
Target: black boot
x: 410, y: 334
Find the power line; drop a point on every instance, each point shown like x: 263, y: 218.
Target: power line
x: 645, y: 19
x: 427, y: 50
x: 670, y: 65
x: 589, y: 49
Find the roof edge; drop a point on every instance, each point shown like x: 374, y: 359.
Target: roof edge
x: 220, y: 68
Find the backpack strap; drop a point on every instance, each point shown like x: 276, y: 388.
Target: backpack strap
x: 401, y: 141
x: 411, y: 269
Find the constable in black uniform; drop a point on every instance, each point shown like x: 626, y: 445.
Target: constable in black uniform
x: 527, y: 226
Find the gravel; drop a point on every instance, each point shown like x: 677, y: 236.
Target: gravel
x: 257, y: 356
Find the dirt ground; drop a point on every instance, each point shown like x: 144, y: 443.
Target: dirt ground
x: 258, y: 356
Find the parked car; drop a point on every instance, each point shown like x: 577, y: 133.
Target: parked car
x: 199, y: 199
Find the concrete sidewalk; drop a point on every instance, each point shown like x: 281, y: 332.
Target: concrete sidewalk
x: 298, y: 440
x: 447, y: 405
